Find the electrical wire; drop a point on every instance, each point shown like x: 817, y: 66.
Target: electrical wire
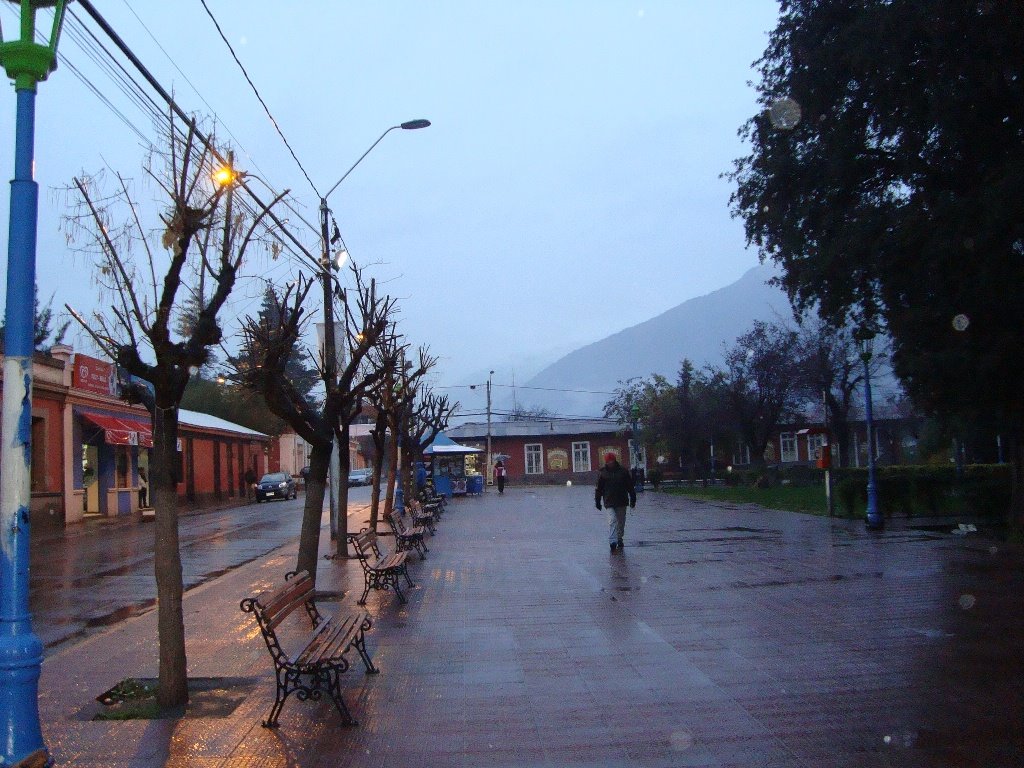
x: 255, y: 90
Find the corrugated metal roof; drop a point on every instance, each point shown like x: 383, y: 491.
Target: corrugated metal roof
x: 206, y: 421
x: 536, y: 428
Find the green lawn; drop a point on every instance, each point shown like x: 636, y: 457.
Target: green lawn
x: 794, y: 499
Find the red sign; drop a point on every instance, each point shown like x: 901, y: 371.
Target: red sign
x: 94, y: 375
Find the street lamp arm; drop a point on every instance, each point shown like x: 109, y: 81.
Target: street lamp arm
x: 409, y: 125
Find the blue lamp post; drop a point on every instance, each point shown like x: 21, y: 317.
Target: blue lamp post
x: 874, y: 518
x: 27, y: 63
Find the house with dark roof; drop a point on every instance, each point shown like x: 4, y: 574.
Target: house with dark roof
x: 545, y: 451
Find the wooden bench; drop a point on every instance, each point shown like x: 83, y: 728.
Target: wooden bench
x: 315, y: 668
x: 421, y: 516
x: 381, y: 571
x: 407, y: 537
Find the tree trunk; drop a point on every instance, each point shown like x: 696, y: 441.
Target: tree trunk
x: 344, y: 465
x: 313, y: 509
x: 173, y: 668
x: 378, y: 467
x: 389, y: 491
x: 1015, y: 516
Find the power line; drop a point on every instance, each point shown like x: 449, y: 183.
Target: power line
x: 258, y: 96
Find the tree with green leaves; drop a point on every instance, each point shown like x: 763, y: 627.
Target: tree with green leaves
x: 884, y: 178
x: 45, y: 334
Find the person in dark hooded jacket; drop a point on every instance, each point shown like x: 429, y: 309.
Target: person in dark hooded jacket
x: 615, y: 489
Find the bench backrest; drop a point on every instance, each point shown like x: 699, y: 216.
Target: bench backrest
x: 365, y: 543
x: 275, y: 605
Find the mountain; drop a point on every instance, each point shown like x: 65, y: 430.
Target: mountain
x: 697, y: 329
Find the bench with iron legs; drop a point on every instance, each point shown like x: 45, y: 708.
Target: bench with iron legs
x: 407, y: 537
x: 380, y: 570
x: 316, y: 667
x: 421, y: 516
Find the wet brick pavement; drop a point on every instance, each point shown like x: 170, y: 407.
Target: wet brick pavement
x: 721, y: 636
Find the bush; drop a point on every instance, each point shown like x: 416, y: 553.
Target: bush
x: 921, y: 490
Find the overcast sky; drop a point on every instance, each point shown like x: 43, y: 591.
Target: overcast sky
x: 569, y: 185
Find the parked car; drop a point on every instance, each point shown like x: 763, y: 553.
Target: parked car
x: 360, y: 477
x: 276, y: 485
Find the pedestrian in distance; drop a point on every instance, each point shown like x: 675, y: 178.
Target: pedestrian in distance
x: 499, y: 476
x: 250, y: 483
x: 615, y: 489
x: 143, y: 488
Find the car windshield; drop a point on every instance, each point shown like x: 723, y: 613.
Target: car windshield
x: 274, y: 477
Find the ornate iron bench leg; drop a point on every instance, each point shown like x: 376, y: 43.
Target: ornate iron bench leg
x: 366, y: 590
x: 360, y: 644
x: 393, y: 579
x: 331, y: 677
x: 283, y: 689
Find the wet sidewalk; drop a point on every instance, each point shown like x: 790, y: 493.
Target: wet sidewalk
x: 721, y: 636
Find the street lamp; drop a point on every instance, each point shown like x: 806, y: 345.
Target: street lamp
x: 865, y: 335
x: 330, y: 360
x: 489, y: 473
x: 21, y: 653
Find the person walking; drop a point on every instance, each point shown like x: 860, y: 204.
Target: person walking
x: 499, y: 476
x: 250, y: 483
x: 615, y: 489
x: 143, y: 488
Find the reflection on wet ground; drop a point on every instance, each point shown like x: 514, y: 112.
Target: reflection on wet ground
x: 100, y: 572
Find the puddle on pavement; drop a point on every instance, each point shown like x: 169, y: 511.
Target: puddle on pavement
x: 216, y: 697
x: 120, y: 614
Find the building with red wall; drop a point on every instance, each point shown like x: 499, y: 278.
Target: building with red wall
x: 90, y: 449
x: 552, y: 450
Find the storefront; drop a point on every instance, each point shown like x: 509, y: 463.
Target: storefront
x: 91, y: 449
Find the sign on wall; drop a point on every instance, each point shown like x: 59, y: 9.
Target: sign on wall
x: 558, y: 460
x: 97, y: 376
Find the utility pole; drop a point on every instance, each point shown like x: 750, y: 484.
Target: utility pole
x: 490, y: 470
x: 330, y: 361
x: 21, y: 652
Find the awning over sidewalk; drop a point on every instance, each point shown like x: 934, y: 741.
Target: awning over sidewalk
x: 121, y: 430
x: 445, y: 445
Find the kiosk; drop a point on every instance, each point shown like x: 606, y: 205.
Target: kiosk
x: 453, y: 467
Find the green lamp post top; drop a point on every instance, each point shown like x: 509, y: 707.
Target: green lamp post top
x: 26, y: 61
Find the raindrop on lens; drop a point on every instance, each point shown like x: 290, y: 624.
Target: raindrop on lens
x: 784, y: 114
x: 192, y: 370
x: 967, y: 602
x: 681, y: 740
x: 960, y: 323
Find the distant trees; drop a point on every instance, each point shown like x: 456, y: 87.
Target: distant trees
x: 884, y: 178
x: 45, y: 335
x: 771, y: 375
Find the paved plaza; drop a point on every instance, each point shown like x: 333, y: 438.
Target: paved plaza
x: 722, y: 635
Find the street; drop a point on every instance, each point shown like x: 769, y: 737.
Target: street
x: 98, y: 573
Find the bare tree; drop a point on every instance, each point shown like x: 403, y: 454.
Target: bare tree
x: 429, y: 417
x: 266, y: 350
x: 204, y: 235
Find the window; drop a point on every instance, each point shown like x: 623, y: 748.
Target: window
x: 814, y: 445
x: 534, y: 460
x: 787, y: 444
x: 581, y: 457
x: 742, y: 455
